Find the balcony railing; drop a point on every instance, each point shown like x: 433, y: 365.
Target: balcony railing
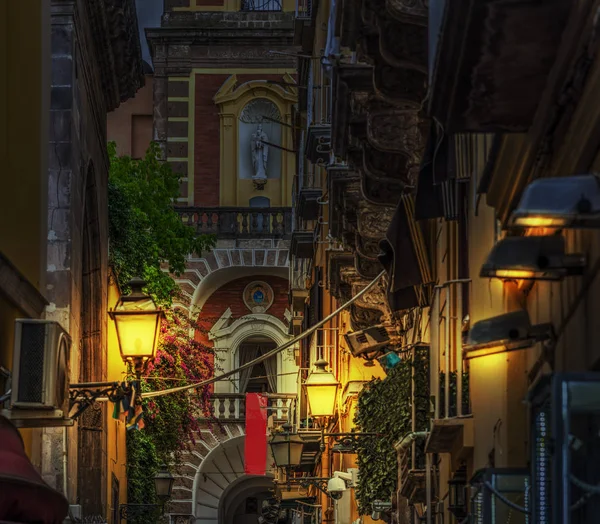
x: 303, y: 8
x: 241, y: 222
x: 261, y: 5
x: 231, y: 407
x: 319, y: 94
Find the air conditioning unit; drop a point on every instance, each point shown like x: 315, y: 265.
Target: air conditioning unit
x: 371, y: 339
x: 40, y: 380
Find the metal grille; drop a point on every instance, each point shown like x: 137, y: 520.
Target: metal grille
x: 261, y: 5
x: 542, y: 467
x: 31, y: 366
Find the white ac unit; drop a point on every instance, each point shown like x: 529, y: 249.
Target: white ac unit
x: 371, y: 339
x: 40, y: 379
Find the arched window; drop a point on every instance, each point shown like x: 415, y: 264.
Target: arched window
x: 260, y: 201
x: 263, y: 113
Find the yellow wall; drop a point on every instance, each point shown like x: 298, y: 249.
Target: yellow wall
x: 24, y: 105
x: 231, y: 99
x: 116, y: 432
x: 24, y: 114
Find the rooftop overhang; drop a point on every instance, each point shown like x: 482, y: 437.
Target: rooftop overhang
x: 490, y: 61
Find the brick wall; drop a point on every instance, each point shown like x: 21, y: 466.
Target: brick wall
x: 207, y: 135
x: 206, y: 141
x: 230, y: 296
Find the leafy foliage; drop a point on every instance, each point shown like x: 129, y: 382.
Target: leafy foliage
x: 145, y: 230
x: 385, y: 408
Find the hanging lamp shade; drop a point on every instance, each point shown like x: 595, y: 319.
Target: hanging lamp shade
x: 287, y: 448
x: 163, y: 483
x: 321, y: 389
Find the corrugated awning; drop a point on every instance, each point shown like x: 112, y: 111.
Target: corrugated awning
x: 405, y: 259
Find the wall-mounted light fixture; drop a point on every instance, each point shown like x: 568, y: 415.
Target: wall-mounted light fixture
x: 532, y: 258
x: 137, y: 320
x: 560, y: 202
x: 508, y: 332
x: 321, y: 389
x: 457, y: 494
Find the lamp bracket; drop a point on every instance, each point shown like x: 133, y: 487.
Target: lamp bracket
x: 318, y: 482
x: 345, y: 442
x: 85, y: 394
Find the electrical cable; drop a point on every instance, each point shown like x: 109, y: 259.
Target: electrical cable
x: 269, y: 354
x: 509, y: 503
x: 590, y: 488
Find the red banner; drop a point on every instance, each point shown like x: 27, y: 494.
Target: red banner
x: 255, y: 449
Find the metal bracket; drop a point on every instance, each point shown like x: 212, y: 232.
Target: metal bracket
x: 318, y: 482
x: 85, y: 394
x: 345, y: 442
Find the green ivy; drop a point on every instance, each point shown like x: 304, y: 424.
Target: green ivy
x: 466, y: 404
x: 385, y: 408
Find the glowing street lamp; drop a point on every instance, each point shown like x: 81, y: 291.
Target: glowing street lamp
x: 321, y: 389
x: 137, y: 320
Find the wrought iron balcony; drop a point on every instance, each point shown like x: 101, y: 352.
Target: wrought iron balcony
x: 261, y: 5
x: 239, y: 222
x: 231, y: 407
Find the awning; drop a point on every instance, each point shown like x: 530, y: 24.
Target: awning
x: 437, y: 184
x: 24, y: 496
x: 405, y: 259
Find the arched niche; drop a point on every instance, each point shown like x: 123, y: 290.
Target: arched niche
x: 264, y: 114
x: 241, y: 106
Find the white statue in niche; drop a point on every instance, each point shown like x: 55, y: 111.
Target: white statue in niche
x: 260, y: 155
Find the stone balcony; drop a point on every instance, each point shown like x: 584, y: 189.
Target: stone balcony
x: 239, y: 222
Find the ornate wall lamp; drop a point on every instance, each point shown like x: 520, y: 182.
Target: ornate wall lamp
x: 559, y: 202
x: 137, y: 321
x: 321, y: 388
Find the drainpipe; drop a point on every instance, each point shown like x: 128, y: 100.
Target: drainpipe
x: 409, y: 438
x: 65, y: 464
x: 406, y: 441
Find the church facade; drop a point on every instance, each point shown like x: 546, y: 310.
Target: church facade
x: 223, y: 97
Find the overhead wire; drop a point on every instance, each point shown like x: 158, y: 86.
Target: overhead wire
x: 269, y: 354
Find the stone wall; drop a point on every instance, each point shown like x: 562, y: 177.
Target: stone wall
x: 83, y: 90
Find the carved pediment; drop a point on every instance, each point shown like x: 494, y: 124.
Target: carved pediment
x: 412, y: 11
x: 397, y: 131
x: 380, y: 193
x: 373, y: 222
x: 400, y: 86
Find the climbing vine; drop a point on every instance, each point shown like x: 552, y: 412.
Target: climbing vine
x: 385, y: 408
x: 146, y: 235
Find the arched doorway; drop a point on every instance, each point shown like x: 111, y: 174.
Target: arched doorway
x: 223, y: 492
x: 262, y: 377
x: 242, y: 501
